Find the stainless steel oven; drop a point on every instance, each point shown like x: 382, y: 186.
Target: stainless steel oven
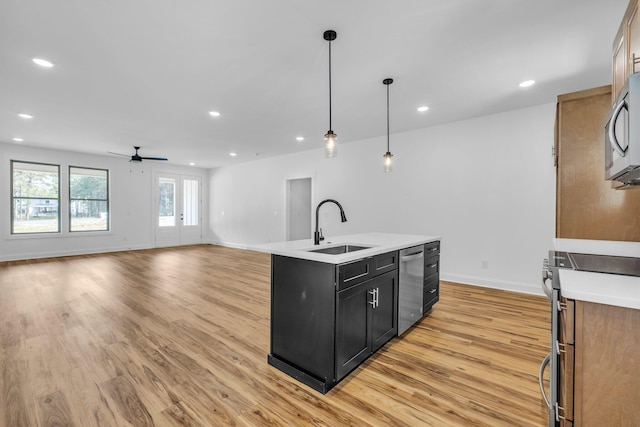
x: 560, y: 358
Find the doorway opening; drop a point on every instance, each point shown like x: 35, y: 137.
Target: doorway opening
x: 299, y: 210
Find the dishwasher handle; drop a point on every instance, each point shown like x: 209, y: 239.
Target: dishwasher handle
x: 411, y: 257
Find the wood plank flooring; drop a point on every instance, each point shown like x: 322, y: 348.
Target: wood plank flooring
x: 180, y: 337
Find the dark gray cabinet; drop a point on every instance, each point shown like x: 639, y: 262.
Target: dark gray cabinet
x: 431, y: 289
x: 366, y: 318
x: 326, y: 319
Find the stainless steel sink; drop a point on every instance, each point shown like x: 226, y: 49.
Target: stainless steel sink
x: 342, y: 249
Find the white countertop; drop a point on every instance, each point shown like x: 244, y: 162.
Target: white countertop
x: 601, y: 288
x: 379, y: 243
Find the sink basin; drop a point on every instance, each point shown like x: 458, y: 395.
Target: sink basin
x: 342, y: 249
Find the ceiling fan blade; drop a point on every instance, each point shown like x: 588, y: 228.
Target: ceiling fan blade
x: 119, y: 154
x: 154, y: 158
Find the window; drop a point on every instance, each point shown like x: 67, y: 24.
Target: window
x: 35, y: 198
x: 166, y: 202
x: 190, y: 198
x: 88, y: 199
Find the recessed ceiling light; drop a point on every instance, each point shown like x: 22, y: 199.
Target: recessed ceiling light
x: 423, y: 108
x: 299, y: 138
x: 192, y: 164
x: 43, y: 62
x: 18, y: 139
x: 214, y: 114
x: 527, y: 83
x: 25, y: 116
x: 232, y: 154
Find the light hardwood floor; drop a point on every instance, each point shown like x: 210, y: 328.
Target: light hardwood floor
x: 180, y: 336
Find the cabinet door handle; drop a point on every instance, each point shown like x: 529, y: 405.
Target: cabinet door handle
x: 377, y: 297
x: 373, y: 299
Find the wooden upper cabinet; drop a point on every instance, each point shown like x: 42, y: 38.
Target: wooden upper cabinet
x: 619, y: 63
x: 626, y: 49
x: 633, y: 38
x: 587, y: 206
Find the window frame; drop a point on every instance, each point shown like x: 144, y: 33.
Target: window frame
x: 107, y: 200
x: 12, y: 199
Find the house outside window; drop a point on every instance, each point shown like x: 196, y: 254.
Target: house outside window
x: 88, y: 199
x: 35, y: 198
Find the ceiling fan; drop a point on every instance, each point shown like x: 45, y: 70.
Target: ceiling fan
x: 136, y: 157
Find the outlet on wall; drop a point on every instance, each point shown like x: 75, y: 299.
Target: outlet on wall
x: 484, y: 263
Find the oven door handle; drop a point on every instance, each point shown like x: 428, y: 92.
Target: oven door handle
x: 543, y: 366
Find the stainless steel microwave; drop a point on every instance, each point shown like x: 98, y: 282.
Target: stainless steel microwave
x: 622, y: 136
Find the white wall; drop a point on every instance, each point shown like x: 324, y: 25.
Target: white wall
x: 485, y: 185
x: 131, y: 195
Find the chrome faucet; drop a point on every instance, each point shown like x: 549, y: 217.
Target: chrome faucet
x: 317, y: 235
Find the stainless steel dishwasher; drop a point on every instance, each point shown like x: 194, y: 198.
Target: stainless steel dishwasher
x: 410, y: 287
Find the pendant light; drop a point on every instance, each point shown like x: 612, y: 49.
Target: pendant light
x: 388, y: 157
x: 330, y: 139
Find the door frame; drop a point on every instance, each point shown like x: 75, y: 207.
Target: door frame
x: 177, y: 235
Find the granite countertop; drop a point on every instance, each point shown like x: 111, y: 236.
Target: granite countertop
x: 601, y: 288
x: 379, y: 243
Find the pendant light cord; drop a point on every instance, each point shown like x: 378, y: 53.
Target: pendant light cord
x: 330, y: 128
x: 387, y: 118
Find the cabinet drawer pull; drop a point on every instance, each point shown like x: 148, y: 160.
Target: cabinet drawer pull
x: 432, y: 266
x: 374, y: 301
x: 435, y: 248
x: 560, y: 347
x: 557, y: 411
x: 432, y: 291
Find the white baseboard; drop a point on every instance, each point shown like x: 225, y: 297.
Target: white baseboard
x: 230, y: 245
x: 494, y: 284
x: 62, y: 253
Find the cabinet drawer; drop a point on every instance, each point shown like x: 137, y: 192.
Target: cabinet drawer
x: 567, y: 322
x: 431, y: 293
x: 431, y: 266
x: 355, y: 272
x: 431, y: 248
x: 385, y: 262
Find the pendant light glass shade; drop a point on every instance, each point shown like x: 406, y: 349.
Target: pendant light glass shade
x: 330, y: 138
x: 388, y: 162
x: 388, y: 157
x: 330, y: 144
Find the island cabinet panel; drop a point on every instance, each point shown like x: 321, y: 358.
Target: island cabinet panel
x: 326, y: 318
x: 302, y: 305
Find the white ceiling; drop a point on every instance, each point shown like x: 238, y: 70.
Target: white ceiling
x: 146, y: 72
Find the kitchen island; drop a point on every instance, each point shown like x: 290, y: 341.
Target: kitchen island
x: 335, y: 304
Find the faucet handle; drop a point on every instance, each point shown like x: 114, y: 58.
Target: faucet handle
x: 321, y: 236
